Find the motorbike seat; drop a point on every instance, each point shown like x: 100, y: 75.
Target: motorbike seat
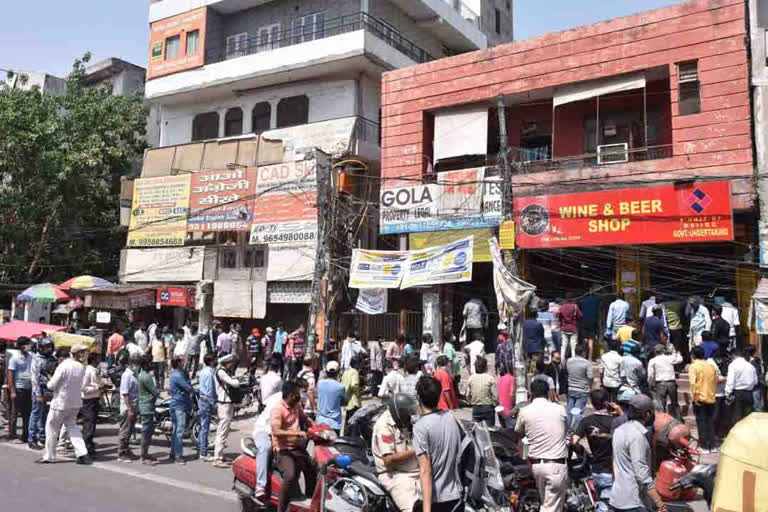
x: 363, y: 470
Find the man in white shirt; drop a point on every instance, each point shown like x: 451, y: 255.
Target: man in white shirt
x: 140, y: 338
x: 66, y: 384
x: 475, y: 350
x: 661, y: 379
x: 610, y: 366
x: 739, y: 384
x: 391, y: 383
x: 350, y: 349
x: 731, y: 315
x: 262, y: 439
x: 225, y: 381
x: 271, y: 382
x: 475, y: 317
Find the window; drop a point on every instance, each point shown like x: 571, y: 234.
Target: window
x: 261, y: 117
x: 688, y: 88
x: 228, y: 257
x: 269, y: 37
x: 205, y: 126
x: 308, y: 28
x: 233, y: 122
x: 498, y: 21
x: 193, y: 42
x: 237, y: 45
x: 293, y: 111
x: 509, y: 5
x: 172, y: 45
x: 254, y: 257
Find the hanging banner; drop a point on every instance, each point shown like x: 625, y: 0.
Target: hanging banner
x: 693, y: 212
x: 512, y: 293
x: 377, y: 269
x: 450, y: 263
x: 222, y: 200
x: 480, y: 252
x: 172, y: 296
x: 372, y: 301
x: 461, y: 192
x: 159, y: 212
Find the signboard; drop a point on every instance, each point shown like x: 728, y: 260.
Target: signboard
x: 159, y: 212
x: 460, y: 200
x: 167, y: 54
x: 480, y: 252
x: 172, y: 296
x: 103, y: 317
x: 372, y: 301
x: 450, y: 263
x: 377, y: 269
x: 167, y: 265
x: 222, y: 200
x: 694, y: 212
x: 507, y: 235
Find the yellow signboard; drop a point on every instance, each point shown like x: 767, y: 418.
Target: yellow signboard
x: 507, y: 235
x: 159, y: 212
x: 480, y: 253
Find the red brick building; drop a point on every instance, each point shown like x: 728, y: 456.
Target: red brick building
x: 659, y: 98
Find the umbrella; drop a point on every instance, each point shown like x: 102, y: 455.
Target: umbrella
x: 45, y: 292
x: 17, y: 328
x: 80, y: 282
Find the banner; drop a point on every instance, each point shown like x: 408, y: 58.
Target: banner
x: 177, y: 43
x: 460, y: 200
x: 173, y: 296
x: 450, y: 263
x: 480, y: 251
x: 372, y: 301
x: 694, y: 212
x: 512, y: 293
x: 377, y: 269
x: 159, y: 212
x: 222, y: 200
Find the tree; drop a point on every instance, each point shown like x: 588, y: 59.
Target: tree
x: 61, y: 160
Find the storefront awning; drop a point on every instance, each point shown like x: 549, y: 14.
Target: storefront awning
x: 594, y: 88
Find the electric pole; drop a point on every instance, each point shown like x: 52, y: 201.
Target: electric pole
x: 317, y: 298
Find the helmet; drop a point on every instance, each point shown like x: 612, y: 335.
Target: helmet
x: 45, y: 346
x: 232, y: 359
x: 403, y: 407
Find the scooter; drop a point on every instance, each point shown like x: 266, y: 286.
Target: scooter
x: 678, y: 479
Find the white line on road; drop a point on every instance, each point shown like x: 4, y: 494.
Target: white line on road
x: 152, y: 477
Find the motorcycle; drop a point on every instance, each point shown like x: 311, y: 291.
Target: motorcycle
x: 250, y: 391
x: 164, y: 423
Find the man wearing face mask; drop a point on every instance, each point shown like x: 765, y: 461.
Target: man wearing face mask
x: 395, y: 458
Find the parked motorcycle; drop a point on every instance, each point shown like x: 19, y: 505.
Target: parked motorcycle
x: 164, y: 423
x: 250, y: 390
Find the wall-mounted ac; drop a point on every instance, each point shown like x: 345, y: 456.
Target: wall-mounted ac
x: 613, y: 153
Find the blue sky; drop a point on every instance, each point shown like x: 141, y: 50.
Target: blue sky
x: 48, y: 35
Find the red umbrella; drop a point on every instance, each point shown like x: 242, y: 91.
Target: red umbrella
x: 18, y: 328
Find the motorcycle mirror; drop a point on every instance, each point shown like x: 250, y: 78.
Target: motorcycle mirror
x: 343, y: 461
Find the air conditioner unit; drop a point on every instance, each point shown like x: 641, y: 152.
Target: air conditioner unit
x: 613, y: 153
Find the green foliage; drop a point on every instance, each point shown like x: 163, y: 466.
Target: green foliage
x: 61, y: 159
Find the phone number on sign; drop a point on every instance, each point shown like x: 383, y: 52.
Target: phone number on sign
x: 287, y: 237
x: 149, y: 242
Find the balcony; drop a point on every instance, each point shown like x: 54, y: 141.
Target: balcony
x: 613, y: 154
x: 451, y: 21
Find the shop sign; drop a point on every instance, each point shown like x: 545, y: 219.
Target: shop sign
x: 289, y: 292
x: 159, y: 212
x: 122, y: 301
x: 460, y: 200
x: 172, y: 296
x: 185, y: 56
x: 693, y: 212
x: 222, y: 200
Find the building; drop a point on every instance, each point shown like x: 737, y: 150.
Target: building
x: 47, y: 83
x: 632, y: 157
x: 261, y: 88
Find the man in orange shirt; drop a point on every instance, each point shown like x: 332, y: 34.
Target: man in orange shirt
x: 448, y: 395
x: 287, y: 422
x: 114, y: 344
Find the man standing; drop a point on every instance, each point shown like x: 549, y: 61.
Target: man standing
x: 351, y: 348
x: 148, y: 395
x: 351, y: 382
x: 654, y: 329
x: 596, y: 427
x: 533, y: 336
x: 579, y: 384
x: 482, y: 394
x: 288, y: 423
x: 759, y: 391
x: 721, y: 330
x: 474, y: 350
x: 393, y: 453
x: 281, y: 338
x: 632, y: 370
x: 129, y: 394
x: 114, y: 344
x: 224, y: 384
x: 739, y: 384
x: 436, y: 441
x: 475, y: 318
x: 544, y: 423
x: 661, y: 379
x: 66, y: 384
x: 206, y: 403
x: 569, y: 317
x: 253, y: 344
x: 412, y: 370
x: 140, y: 337
x: 632, y: 479
x: 224, y: 344
x: 377, y: 365
x: 700, y: 320
x: 391, y: 382
x: 610, y: 369
x: 91, y: 394
x: 331, y: 395
x: 673, y: 314
x: 192, y: 353
x: 161, y: 351
x: 730, y: 314
x: 448, y: 397
x: 42, y: 367
x: 181, y: 405
x: 268, y: 346
x: 618, y: 315
x: 20, y: 389
x: 703, y: 381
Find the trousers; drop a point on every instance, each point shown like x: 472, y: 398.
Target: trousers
x: 743, y: 405
x: 127, y: 423
x: 568, y: 339
x: 160, y: 374
x: 226, y: 411
x: 705, y: 422
x: 290, y: 463
x: 192, y: 363
x: 22, y: 406
x: 263, y: 443
x: 485, y: 413
x: 68, y: 418
x: 205, y: 409
x: 663, y: 390
x: 551, y: 482
x: 37, y: 417
x: 576, y: 401
x: 90, y: 412
x: 147, y: 431
x: 179, y: 420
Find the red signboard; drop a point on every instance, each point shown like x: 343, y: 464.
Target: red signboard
x: 691, y: 212
x: 177, y: 43
x: 221, y: 200
x: 172, y: 296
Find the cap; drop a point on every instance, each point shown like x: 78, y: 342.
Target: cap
x: 269, y: 329
x: 642, y: 403
x: 332, y: 366
x: 255, y: 331
x: 80, y: 347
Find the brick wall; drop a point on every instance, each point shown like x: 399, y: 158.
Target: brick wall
x: 715, y: 142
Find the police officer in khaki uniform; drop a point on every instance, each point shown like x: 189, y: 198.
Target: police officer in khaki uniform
x: 393, y: 453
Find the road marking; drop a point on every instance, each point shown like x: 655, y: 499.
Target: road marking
x: 152, y: 477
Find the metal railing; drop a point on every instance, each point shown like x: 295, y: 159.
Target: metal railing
x: 283, y: 38
x: 591, y: 159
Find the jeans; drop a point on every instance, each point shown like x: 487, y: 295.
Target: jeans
x: 206, y: 406
x: 263, y: 451
x: 576, y: 400
x: 705, y: 422
x: 110, y: 361
x: 603, y: 485
x: 179, y: 420
x: 556, y: 340
x: 147, y: 431
x: 90, y: 412
x: 159, y: 374
x: 485, y: 413
x: 569, y: 338
x: 37, y: 420
x: 757, y: 398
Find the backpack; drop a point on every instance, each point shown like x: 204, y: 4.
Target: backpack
x: 236, y: 395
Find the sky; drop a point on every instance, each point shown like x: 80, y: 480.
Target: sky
x: 47, y: 35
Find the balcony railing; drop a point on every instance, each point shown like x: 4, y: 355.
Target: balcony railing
x: 612, y: 156
x: 367, y: 131
x: 328, y: 28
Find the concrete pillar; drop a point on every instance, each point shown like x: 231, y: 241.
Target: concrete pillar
x: 365, y: 6
x: 273, y: 114
x: 222, y: 118
x: 247, y: 117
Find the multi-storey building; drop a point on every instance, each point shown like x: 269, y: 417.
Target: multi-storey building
x: 631, y: 157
